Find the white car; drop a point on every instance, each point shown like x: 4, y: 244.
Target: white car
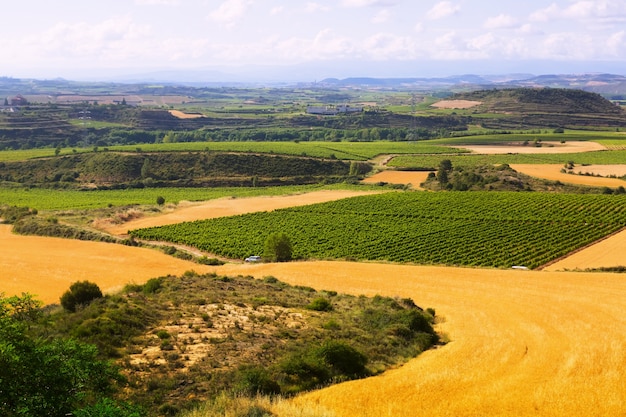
x: 253, y: 258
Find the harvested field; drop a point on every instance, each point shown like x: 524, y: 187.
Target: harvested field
x: 606, y: 253
x: 47, y: 266
x: 229, y: 207
x: 181, y: 115
x: 547, y: 147
x: 523, y: 343
x: 414, y: 178
x: 456, y: 104
x: 553, y: 172
x: 601, y: 170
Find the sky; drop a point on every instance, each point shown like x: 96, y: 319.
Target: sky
x: 309, y: 40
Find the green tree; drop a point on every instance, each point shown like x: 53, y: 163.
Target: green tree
x: 160, y: 200
x: 80, y: 293
x: 40, y: 377
x: 277, y: 248
x: 445, y: 166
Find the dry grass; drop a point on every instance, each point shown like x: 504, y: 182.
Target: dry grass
x: 553, y: 172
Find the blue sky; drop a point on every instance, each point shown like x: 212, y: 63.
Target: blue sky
x: 311, y: 39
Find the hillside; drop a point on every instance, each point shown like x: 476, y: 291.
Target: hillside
x: 120, y: 170
x: 182, y: 340
x: 542, y: 100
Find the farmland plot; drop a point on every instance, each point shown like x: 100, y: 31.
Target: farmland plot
x: 486, y: 229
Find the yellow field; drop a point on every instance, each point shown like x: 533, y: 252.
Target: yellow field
x: 414, y: 178
x: 523, y: 343
x: 553, y: 172
x: 47, y: 267
x: 606, y: 253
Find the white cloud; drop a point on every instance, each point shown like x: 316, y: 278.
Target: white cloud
x: 312, y: 7
x: 382, y: 16
x: 229, y: 11
x: 616, y: 44
x: 502, y: 21
x: 157, y: 2
x: 277, y: 10
x: 443, y: 9
x: 612, y: 10
x: 365, y: 3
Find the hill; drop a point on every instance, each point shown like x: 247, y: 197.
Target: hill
x: 121, y: 170
x: 543, y: 108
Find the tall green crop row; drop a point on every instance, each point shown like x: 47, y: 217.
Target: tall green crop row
x: 478, y: 229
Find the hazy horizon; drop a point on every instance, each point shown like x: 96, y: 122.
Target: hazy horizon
x: 274, y: 40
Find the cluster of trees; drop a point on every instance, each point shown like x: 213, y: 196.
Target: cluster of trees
x: 51, y: 377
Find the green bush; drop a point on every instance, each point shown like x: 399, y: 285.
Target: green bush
x: 80, y: 293
x: 343, y: 358
x: 320, y: 304
x: 277, y: 248
x: 255, y: 380
x: 152, y: 286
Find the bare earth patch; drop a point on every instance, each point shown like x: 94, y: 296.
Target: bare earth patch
x: 229, y: 207
x: 553, y: 172
x: 456, y: 104
x: 414, y: 178
x: 546, y: 147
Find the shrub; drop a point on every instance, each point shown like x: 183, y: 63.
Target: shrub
x: 343, y: 358
x: 320, y: 304
x: 152, y: 286
x: 160, y: 200
x: 80, y: 293
x: 256, y: 380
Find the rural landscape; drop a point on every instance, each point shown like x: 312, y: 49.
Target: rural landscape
x: 356, y: 247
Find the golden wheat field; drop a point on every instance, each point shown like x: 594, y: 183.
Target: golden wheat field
x: 522, y: 343
x: 414, y: 178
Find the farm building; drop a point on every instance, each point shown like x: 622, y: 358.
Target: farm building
x: 19, y: 100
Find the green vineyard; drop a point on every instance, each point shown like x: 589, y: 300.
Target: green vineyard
x: 487, y: 229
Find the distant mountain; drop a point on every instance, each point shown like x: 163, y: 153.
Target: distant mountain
x: 605, y: 84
